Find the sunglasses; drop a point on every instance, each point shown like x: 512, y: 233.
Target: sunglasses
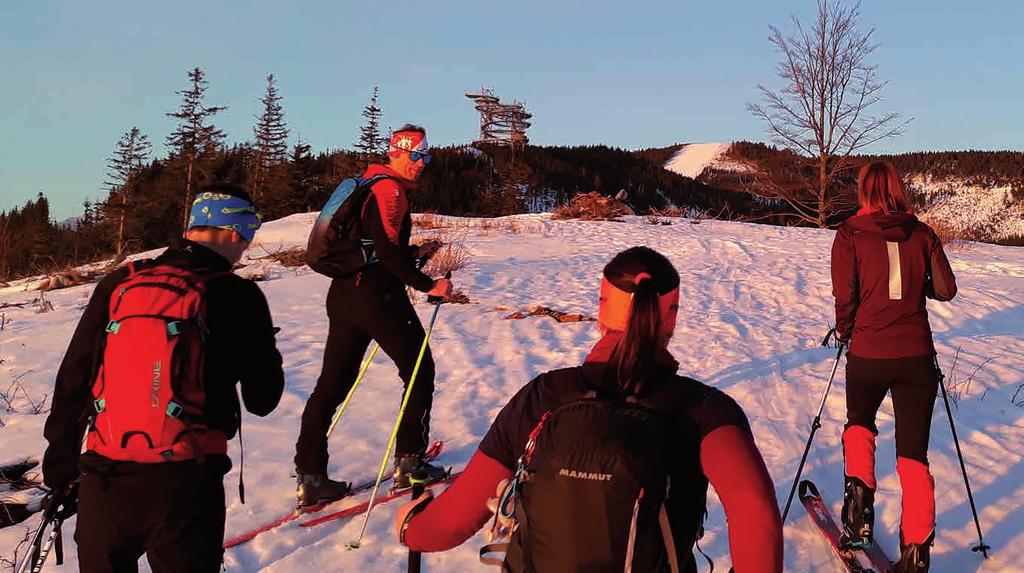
x: 417, y: 155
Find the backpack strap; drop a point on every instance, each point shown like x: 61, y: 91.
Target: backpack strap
x: 670, y: 544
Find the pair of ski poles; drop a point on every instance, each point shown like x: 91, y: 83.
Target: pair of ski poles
x: 816, y: 423
x: 414, y: 557
x: 58, y: 508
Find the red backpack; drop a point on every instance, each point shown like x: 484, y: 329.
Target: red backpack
x: 149, y: 394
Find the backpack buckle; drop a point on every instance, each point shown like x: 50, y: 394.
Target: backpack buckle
x: 174, y: 410
x: 113, y: 326
x: 99, y: 404
x: 173, y: 328
x: 167, y: 455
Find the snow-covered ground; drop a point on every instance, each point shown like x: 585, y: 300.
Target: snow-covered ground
x: 692, y: 159
x: 755, y: 302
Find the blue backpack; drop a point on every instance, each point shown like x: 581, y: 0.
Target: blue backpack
x: 336, y: 247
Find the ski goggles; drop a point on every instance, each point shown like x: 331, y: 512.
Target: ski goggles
x: 224, y: 211
x: 616, y: 305
x: 417, y: 155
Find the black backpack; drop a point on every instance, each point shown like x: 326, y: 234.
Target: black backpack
x: 590, y: 491
x: 336, y: 248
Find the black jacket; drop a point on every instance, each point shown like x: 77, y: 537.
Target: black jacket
x: 240, y: 348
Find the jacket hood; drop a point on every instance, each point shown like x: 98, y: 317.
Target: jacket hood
x: 895, y: 227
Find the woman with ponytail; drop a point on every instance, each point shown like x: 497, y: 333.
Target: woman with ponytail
x: 568, y: 453
x: 885, y: 263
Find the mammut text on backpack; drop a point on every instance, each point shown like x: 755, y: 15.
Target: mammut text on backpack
x: 335, y: 247
x: 148, y: 395
x: 591, y: 489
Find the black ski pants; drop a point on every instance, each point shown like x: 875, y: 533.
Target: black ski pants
x: 173, y: 513
x: 914, y: 383
x: 357, y: 316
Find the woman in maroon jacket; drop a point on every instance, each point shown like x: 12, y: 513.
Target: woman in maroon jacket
x: 708, y: 436
x: 885, y: 263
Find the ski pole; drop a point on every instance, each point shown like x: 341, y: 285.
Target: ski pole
x: 815, y: 424
x: 981, y: 546
x: 415, y: 557
x: 420, y: 263
x: 398, y: 422
x: 352, y: 390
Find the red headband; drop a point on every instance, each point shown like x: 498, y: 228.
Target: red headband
x: 616, y: 305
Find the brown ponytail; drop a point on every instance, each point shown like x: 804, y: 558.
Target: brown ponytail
x: 635, y: 355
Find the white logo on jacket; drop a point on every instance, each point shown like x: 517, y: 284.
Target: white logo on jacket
x: 592, y: 476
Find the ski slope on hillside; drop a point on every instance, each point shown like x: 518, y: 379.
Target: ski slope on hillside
x: 692, y: 159
x: 755, y: 302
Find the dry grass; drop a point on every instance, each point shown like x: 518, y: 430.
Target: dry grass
x: 432, y: 222
x: 959, y: 387
x: 538, y: 310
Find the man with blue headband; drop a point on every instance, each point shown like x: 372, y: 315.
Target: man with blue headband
x: 150, y: 379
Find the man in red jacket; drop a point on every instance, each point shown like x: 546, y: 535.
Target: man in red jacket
x: 372, y: 305
x: 885, y: 263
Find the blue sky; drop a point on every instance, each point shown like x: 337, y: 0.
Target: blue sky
x: 76, y: 75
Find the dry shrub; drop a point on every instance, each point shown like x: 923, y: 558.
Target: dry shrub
x: 956, y: 240
x: 453, y: 255
x: 294, y: 257
x: 591, y: 207
x: 657, y: 220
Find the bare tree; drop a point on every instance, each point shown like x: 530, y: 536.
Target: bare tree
x: 132, y: 151
x: 821, y: 110
x: 271, y: 136
x: 194, y: 136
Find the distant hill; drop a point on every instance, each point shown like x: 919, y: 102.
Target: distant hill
x: 975, y: 195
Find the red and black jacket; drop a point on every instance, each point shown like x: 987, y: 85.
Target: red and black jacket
x: 713, y: 443
x: 240, y: 348
x: 386, y: 219
x: 883, y: 268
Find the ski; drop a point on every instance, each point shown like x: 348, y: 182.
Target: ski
x: 432, y: 453
x: 362, y: 507
x: 870, y: 559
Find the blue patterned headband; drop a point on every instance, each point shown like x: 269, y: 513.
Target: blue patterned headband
x: 225, y: 212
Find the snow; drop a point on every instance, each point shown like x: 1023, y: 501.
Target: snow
x: 755, y: 302
x: 692, y: 159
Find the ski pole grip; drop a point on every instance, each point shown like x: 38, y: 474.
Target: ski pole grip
x: 439, y: 299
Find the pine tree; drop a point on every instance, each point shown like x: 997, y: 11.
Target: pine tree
x: 371, y: 142
x: 271, y: 136
x: 194, y: 137
x: 130, y: 155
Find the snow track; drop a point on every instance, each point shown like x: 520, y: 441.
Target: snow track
x: 755, y: 302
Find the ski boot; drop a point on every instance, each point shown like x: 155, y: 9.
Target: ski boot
x: 914, y: 557
x: 407, y: 466
x: 858, y: 515
x: 316, y: 489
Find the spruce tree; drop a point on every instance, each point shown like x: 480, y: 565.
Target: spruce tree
x: 130, y: 155
x: 195, y: 136
x: 271, y: 136
x: 371, y: 143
